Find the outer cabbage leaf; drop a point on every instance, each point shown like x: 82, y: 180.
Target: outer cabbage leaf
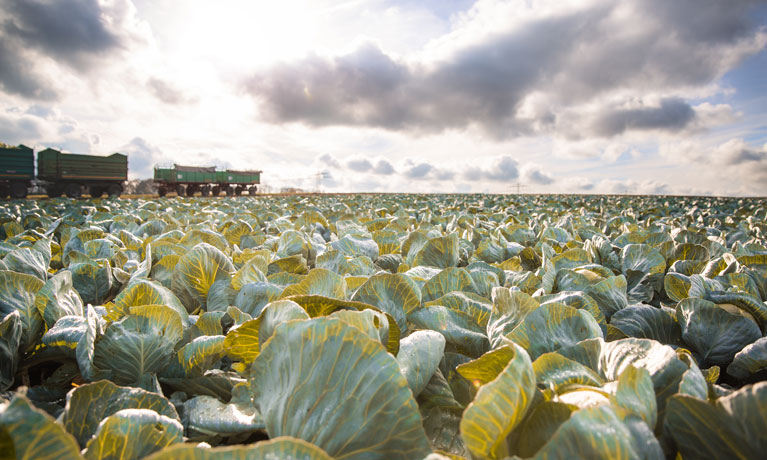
x: 138, y: 344
x: 92, y: 280
x: 439, y: 252
x: 133, y: 434
x: 284, y: 448
x: 648, y: 322
x: 58, y: 298
x: 87, y: 405
x: 33, y: 434
x: 11, y: 331
x: 18, y: 294
x: 318, y: 282
x: 327, y: 360
x: 393, y: 294
x: 418, y: 358
x: 713, y: 333
x: 509, y: 310
x: 460, y: 330
x: 733, y: 427
x: 553, y: 326
x: 207, y: 416
x: 499, y: 406
x: 448, y: 280
x: 750, y: 360
x: 196, y: 272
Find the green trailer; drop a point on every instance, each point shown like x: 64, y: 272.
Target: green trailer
x: 17, y: 170
x: 71, y: 173
x: 188, y: 180
x: 237, y: 182
x: 184, y: 180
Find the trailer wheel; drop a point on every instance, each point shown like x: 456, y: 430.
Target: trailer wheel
x: 215, y: 191
x: 253, y: 190
x: 162, y: 191
x: 18, y: 190
x: 53, y: 191
x: 5, y: 191
x: 115, y: 190
x: 180, y: 190
x: 238, y: 191
x: 229, y: 191
x: 73, y: 190
x: 96, y: 192
x: 205, y: 190
x: 190, y: 191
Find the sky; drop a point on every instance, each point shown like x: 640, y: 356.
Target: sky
x: 490, y: 96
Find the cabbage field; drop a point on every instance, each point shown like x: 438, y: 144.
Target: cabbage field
x: 384, y: 326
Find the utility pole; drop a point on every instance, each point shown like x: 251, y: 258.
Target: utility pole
x: 519, y: 187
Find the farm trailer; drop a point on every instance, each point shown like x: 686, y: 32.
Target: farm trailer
x: 17, y: 170
x: 188, y: 180
x: 70, y: 173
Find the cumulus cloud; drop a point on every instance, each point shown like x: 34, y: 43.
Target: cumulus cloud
x: 359, y: 164
x: 559, y: 58
x: 42, y: 126
x: 673, y: 114
x: 536, y: 174
x: 142, y: 157
x: 501, y: 169
x: 418, y: 171
x: 328, y: 160
x: 383, y: 167
x: 731, y: 167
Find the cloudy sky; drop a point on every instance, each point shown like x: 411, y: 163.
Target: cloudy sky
x: 589, y: 96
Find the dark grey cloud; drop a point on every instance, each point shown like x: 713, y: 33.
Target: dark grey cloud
x: 673, y: 114
x: 328, y: 160
x: 572, y: 58
x: 383, y: 168
x: 418, y: 171
x: 537, y: 175
x: 70, y: 31
x: 745, y: 155
x: 359, y: 165
x: 502, y: 169
x: 18, y: 76
x: 79, y: 36
x: 167, y: 92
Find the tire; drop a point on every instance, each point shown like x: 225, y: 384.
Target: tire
x: 190, y: 191
x: 230, y: 191
x: 205, y: 191
x: 96, y: 192
x: 73, y: 191
x: 5, y: 191
x: 162, y: 191
x: 53, y: 191
x: 215, y: 191
x: 115, y: 190
x: 238, y: 191
x: 180, y: 190
x: 18, y: 190
x: 253, y: 190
